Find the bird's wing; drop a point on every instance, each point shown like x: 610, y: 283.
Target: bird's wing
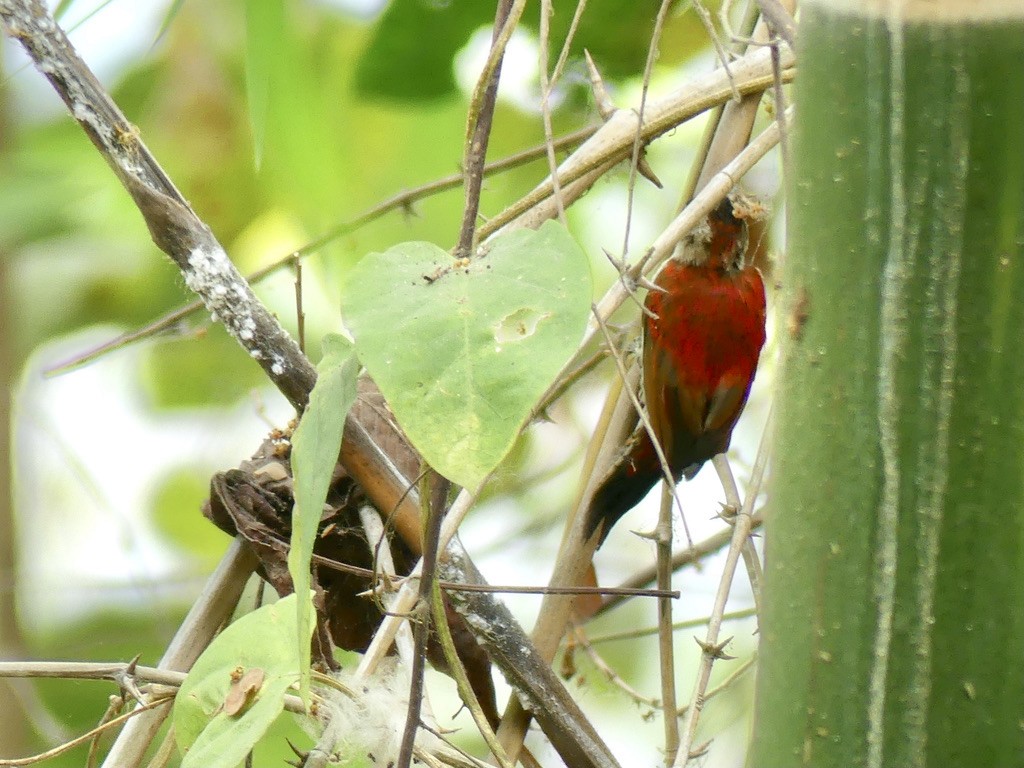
x: 724, y: 406
x: 681, y: 408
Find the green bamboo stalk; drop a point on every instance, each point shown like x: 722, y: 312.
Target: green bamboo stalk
x: 893, y: 626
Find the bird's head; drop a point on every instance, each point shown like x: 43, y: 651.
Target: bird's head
x: 720, y: 242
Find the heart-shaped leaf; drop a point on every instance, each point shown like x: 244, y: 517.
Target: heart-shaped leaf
x: 463, y: 350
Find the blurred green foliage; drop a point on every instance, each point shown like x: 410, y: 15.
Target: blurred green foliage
x: 410, y: 54
x: 177, y: 498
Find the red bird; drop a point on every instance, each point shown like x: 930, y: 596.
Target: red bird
x: 702, y: 340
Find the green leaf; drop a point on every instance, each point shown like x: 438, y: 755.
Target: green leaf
x: 410, y: 56
x: 315, y: 448
x: 172, y: 13
x: 412, y: 52
x: 292, y: 91
x: 462, y: 354
x: 61, y: 9
x: 263, y: 640
x: 264, y: 25
x: 618, y: 35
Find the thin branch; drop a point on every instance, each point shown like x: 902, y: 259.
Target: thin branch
x: 711, y: 647
x: 726, y: 684
x: 666, y: 637
x: 481, y: 115
x: 780, y: 110
x: 563, y: 57
x: 112, y: 671
x: 384, y: 568
x: 663, y: 531
x: 115, y: 672
x: 689, y: 556
x: 750, y: 557
x: 663, y: 542
x: 300, y: 313
x: 716, y: 43
x: 635, y: 156
x: 612, y: 676
x: 546, y: 85
x: 434, y: 492
x: 458, y: 671
x: 633, y: 634
x: 497, y: 589
x: 612, y: 142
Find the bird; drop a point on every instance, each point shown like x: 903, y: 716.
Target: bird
x: 703, y: 329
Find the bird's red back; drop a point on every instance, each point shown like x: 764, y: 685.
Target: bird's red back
x: 701, y: 347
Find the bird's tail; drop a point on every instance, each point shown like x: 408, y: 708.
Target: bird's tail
x: 629, y: 480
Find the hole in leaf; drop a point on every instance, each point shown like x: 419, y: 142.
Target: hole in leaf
x: 518, y: 325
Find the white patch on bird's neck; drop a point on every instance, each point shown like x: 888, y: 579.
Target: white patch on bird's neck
x: 695, y: 248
